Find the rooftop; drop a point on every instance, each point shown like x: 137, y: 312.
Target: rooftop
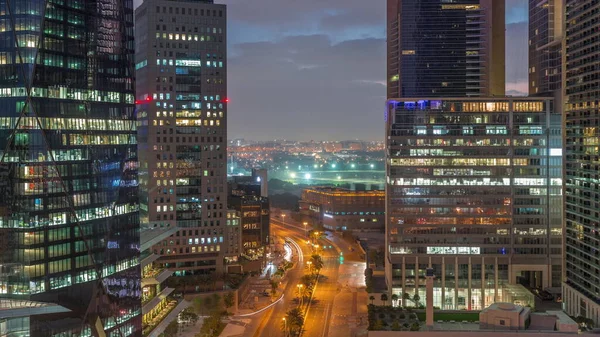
x: 151, y: 236
x: 23, y: 308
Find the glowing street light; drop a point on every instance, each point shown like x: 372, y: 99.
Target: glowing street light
x: 305, y: 224
x: 333, y: 166
x: 339, y: 177
x: 372, y: 166
x: 283, y: 219
x: 307, y: 176
x: 353, y: 166
x: 293, y: 175
x: 284, y: 326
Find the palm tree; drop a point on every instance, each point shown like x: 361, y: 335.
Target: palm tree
x: 294, y: 319
x: 384, y: 298
x: 317, y: 262
x: 394, y: 298
x: 372, y: 298
x: 405, y: 297
x: 416, y: 299
x: 274, y: 287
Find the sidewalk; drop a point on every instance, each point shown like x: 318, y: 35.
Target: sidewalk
x: 235, y: 328
x: 349, y: 316
x: 170, y: 317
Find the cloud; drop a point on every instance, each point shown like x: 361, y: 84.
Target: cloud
x: 307, y: 87
x: 315, y: 69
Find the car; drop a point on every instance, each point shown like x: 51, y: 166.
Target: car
x: 265, y: 294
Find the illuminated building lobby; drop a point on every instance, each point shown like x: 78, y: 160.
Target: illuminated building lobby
x: 474, y: 191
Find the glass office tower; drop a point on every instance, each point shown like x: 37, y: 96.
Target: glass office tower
x: 473, y: 191
x: 546, y: 20
x: 69, y: 226
x: 581, y: 291
x: 440, y: 48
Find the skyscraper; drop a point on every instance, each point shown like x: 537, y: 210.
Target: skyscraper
x: 546, y: 20
x: 181, y: 95
x: 69, y: 223
x: 437, y: 48
x: 581, y: 292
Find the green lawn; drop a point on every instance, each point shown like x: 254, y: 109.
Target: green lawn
x: 447, y: 316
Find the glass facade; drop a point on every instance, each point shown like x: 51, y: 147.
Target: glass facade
x: 69, y: 224
x: 474, y: 187
x: 439, y: 48
x: 582, y: 185
x: 545, y: 46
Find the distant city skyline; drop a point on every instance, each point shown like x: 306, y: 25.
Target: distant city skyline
x: 316, y: 70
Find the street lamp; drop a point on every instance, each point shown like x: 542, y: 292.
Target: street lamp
x: 305, y: 224
x: 284, y: 326
x: 283, y: 219
x: 300, y: 294
x: 309, y: 265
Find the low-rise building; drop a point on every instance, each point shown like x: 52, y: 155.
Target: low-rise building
x: 155, y: 292
x: 253, y: 208
x: 344, y: 209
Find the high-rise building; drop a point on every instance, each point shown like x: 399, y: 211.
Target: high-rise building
x: 581, y: 291
x: 182, y: 114
x: 69, y: 222
x: 546, y: 32
x: 474, y: 191
x: 438, y: 48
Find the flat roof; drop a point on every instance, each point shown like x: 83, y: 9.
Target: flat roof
x: 23, y: 308
x: 151, y: 236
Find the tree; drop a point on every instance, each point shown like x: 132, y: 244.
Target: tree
x: 307, y: 281
x: 396, y: 326
x: 416, y: 299
x: 274, y: 287
x: 394, y: 298
x: 188, y: 315
x: 294, y: 320
x: 372, y: 298
x: 405, y: 297
x: 228, y: 300
x: 384, y: 298
x: 317, y: 262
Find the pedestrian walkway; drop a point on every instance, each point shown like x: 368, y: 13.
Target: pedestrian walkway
x: 170, y: 317
x: 349, y: 316
x: 235, y: 328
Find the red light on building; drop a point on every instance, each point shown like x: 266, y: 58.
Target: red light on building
x: 226, y: 100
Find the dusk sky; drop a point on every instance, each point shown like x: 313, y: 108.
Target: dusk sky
x: 315, y: 69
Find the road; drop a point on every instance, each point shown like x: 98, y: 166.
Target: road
x: 319, y: 314
x: 268, y: 324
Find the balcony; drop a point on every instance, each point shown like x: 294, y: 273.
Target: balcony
x: 149, y: 305
x: 157, y: 277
